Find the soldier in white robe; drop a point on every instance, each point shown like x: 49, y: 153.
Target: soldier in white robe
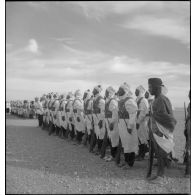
x: 44, y: 102
x: 39, y: 110
x: 69, y: 116
x: 111, y: 121
x: 88, y: 107
x: 56, y: 114
x: 141, y: 123
x: 78, y: 113
x: 51, y: 110
x: 127, y: 111
x: 46, y: 111
x: 62, y: 116
x: 98, y: 119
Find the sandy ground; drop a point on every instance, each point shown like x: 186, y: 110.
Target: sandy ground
x: 38, y: 163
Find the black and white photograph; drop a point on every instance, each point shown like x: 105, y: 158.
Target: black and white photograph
x: 97, y: 97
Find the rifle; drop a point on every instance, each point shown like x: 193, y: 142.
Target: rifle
x: 151, y: 149
x: 185, y: 111
x: 118, y: 153
x: 93, y: 137
x: 185, y: 133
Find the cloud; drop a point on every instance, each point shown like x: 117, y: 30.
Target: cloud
x: 33, y: 46
x: 65, y: 40
x: 39, y: 6
x: 160, y: 26
x: 125, y: 65
x: 99, y: 10
x: 26, y: 52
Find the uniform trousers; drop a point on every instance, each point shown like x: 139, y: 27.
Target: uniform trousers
x: 40, y: 119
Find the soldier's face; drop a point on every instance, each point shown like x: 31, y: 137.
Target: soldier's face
x: 136, y: 92
x: 106, y: 94
x: 151, y: 89
x: 95, y: 92
x: 147, y: 95
x: 121, y: 92
x: 84, y: 96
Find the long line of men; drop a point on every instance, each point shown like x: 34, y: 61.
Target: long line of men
x: 24, y: 109
x: 115, y: 120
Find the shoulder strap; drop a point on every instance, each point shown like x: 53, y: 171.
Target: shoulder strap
x: 110, y: 102
x: 68, y: 103
x: 76, y: 100
x: 139, y: 101
x: 61, y: 103
x: 53, y: 103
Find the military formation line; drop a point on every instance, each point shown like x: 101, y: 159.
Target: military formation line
x: 113, y: 125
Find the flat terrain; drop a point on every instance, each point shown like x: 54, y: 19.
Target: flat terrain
x: 38, y: 163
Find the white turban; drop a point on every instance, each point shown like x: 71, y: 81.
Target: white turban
x: 70, y: 94
x: 98, y: 88
x: 62, y: 96
x: 126, y: 88
x: 111, y: 90
x: 141, y: 89
x: 78, y: 93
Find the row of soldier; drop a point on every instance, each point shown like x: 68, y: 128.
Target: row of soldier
x: 24, y: 109
x: 116, y: 120
x: 99, y: 122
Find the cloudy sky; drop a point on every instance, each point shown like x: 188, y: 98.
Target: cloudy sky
x: 62, y: 46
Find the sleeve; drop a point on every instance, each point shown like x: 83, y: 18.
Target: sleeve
x: 57, y: 106
x: 63, y: 105
x: 113, y: 107
x: 41, y: 107
x: 90, y: 105
x: 79, y: 106
x: 143, y: 111
x: 102, y: 109
x: 70, y: 106
x: 131, y: 107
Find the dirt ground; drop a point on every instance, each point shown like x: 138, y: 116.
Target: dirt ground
x: 38, y: 163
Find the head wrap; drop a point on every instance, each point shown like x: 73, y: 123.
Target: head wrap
x: 62, y: 96
x: 56, y: 95
x: 98, y: 88
x: 141, y: 90
x: 78, y: 93
x: 111, y: 90
x: 70, y: 95
x: 126, y: 88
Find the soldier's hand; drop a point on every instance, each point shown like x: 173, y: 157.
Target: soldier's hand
x: 111, y: 126
x: 100, y: 124
x: 129, y: 130
x: 137, y: 126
